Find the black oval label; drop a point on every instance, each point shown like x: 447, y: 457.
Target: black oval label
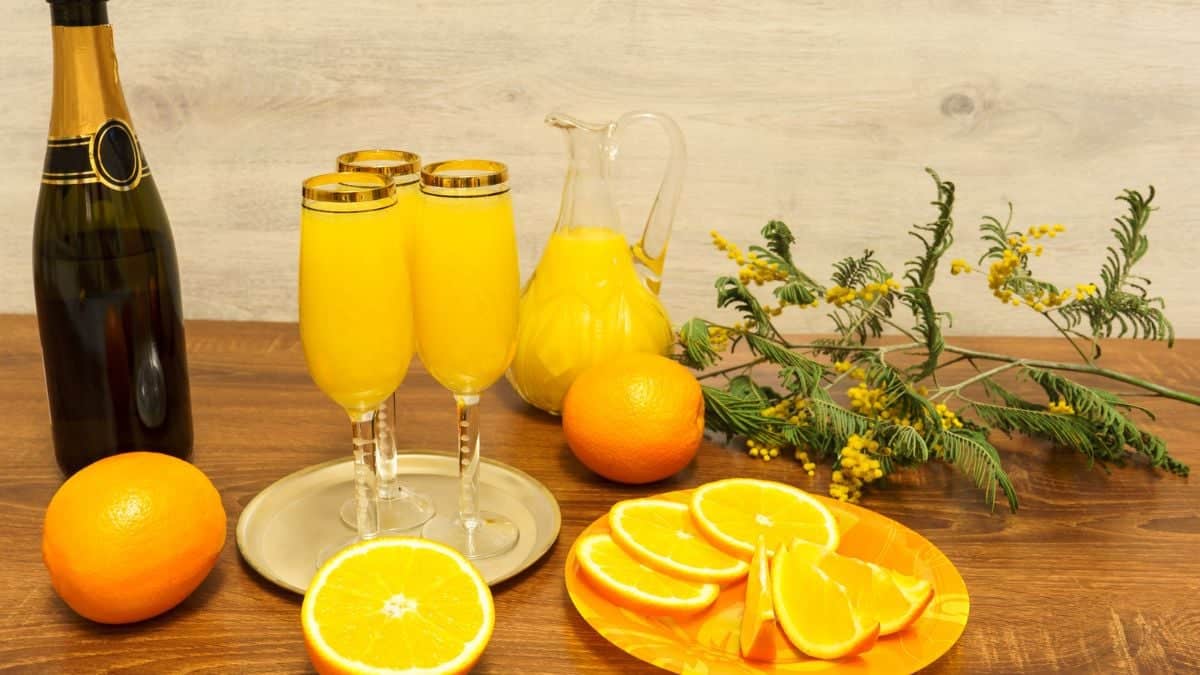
x: 115, y: 157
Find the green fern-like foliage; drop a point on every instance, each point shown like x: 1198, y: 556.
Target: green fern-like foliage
x: 1124, y: 305
x: 698, y: 351
x: 1116, y: 433
x: 857, y: 322
x: 781, y: 398
x: 936, y: 238
x: 732, y: 293
x: 970, y: 452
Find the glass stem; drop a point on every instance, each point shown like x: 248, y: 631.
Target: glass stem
x: 468, y: 461
x: 366, y: 492
x: 386, y: 460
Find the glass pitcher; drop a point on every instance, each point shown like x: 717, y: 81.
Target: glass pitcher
x: 593, y: 295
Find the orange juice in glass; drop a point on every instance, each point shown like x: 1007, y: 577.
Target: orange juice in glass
x: 355, y: 310
x: 401, y: 167
x: 400, y: 509
x: 465, y: 290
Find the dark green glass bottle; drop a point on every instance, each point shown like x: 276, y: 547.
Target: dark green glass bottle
x: 105, y: 273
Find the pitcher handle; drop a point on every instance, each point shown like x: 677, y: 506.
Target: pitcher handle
x: 651, y: 249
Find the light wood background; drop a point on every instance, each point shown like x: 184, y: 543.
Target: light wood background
x: 822, y: 114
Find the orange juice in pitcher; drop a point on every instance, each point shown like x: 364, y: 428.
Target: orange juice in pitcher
x: 593, y: 295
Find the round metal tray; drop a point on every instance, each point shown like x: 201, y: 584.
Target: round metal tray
x: 282, y: 530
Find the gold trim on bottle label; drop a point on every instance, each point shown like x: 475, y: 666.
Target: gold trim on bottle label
x: 111, y: 157
x: 115, y: 156
x: 70, y: 181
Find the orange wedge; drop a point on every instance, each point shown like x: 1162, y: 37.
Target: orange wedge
x: 661, y: 534
x: 397, y: 604
x: 761, y: 638
x: 626, y: 582
x: 918, y: 593
x: 898, y: 599
x: 735, y: 512
x: 819, y: 615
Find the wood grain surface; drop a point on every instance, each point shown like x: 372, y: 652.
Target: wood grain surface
x: 1097, y: 572
x: 818, y: 112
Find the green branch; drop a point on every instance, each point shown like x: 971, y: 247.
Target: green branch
x: 1165, y: 392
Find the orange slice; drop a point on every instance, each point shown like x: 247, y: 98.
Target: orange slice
x: 735, y: 512
x: 898, y: 599
x: 661, y: 534
x: 628, y: 583
x: 819, y: 615
x: 397, y: 604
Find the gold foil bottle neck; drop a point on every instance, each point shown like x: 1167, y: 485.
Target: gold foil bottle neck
x: 87, y: 87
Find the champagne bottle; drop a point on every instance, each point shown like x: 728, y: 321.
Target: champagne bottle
x: 105, y: 275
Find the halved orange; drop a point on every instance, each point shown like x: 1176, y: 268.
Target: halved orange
x: 898, y: 599
x: 626, y: 582
x: 397, y: 604
x: 661, y: 534
x: 819, y: 615
x: 733, y: 513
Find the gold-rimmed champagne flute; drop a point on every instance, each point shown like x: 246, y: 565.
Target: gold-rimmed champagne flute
x: 400, y: 508
x: 355, y: 311
x: 465, y: 290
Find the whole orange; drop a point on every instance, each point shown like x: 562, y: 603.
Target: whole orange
x: 635, y: 418
x: 132, y: 535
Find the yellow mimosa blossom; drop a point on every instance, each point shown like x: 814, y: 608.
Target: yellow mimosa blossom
x: 718, y: 338
x: 856, y: 468
x: 1061, y: 407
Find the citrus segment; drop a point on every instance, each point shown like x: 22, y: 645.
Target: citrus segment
x: 629, y: 583
x: 818, y: 615
x: 897, y: 599
x: 733, y: 513
x: 917, y: 592
x: 661, y: 534
x: 397, y: 604
x: 760, y: 638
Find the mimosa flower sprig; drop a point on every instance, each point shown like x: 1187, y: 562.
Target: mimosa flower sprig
x: 895, y: 417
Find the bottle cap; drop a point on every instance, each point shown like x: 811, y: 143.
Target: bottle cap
x: 78, y: 12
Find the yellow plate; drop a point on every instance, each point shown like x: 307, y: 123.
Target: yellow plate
x: 708, y: 642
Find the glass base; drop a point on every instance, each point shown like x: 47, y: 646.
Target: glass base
x: 401, y: 514
x: 329, y: 551
x: 492, y: 535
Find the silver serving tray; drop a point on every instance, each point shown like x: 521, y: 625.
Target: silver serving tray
x: 284, y: 528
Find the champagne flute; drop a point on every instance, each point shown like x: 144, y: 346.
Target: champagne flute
x: 400, y: 508
x: 355, y: 311
x: 465, y: 289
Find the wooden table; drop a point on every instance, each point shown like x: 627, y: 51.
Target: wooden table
x: 1096, y: 573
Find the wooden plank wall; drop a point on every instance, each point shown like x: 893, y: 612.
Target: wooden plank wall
x: 822, y: 114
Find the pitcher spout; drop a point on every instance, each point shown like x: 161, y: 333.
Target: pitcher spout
x: 566, y: 122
